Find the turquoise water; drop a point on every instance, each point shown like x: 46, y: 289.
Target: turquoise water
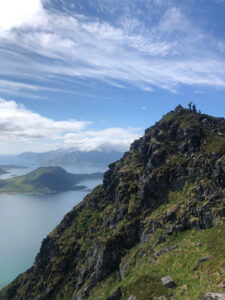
x: 25, y: 221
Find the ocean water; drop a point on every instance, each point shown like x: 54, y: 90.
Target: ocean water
x: 26, y: 220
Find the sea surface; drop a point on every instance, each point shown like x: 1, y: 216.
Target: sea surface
x: 26, y: 220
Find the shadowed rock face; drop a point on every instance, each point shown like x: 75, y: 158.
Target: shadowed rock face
x: 183, y: 154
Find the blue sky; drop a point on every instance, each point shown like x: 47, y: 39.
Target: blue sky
x: 94, y: 74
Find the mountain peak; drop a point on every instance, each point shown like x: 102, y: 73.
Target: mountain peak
x: 158, y: 214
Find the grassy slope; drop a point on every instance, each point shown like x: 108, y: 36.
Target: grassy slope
x: 142, y: 276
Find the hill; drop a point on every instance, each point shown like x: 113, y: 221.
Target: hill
x: 46, y: 180
x: 153, y: 230
x: 72, y: 157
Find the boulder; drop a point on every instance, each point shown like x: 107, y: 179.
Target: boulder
x: 168, y: 281
x: 116, y: 295
x: 213, y: 296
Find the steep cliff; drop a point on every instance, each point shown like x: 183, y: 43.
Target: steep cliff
x: 155, y: 228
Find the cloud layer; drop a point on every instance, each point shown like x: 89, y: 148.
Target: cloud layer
x: 163, y: 52
x: 19, y: 13
x: 20, y: 125
x: 103, y: 140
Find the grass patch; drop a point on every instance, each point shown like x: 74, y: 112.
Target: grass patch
x: 215, y: 144
x: 143, y: 279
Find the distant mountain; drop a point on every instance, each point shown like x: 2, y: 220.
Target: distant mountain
x: 72, y: 157
x: 46, y: 180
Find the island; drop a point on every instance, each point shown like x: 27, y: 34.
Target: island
x: 46, y: 180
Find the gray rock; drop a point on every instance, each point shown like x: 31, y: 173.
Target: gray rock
x: 201, y: 261
x: 116, y: 295
x: 144, y: 237
x: 172, y: 228
x: 168, y: 281
x: 171, y: 215
x: 132, y: 298
x: 222, y: 285
x: 213, y: 296
x: 173, y: 247
x: 161, y: 251
x: 123, y: 270
x: 162, y: 239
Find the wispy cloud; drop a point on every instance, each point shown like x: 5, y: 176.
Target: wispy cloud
x: 166, y: 53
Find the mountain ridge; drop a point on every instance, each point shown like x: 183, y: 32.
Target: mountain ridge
x: 159, y: 212
x: 72, y: 157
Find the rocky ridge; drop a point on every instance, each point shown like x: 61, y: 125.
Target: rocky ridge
x: 166, y: 196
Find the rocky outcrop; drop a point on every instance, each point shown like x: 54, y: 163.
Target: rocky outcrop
x: 214, y: 296
x: 168, y: 281
x: 116, y: 295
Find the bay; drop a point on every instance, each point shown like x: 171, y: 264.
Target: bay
x: 26, y: 220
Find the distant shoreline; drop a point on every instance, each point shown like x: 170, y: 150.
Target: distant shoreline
x: 9, y: 167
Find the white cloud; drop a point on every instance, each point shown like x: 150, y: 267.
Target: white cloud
x: 14, y: 13
x: 29, y: 131
x: 19, y: 123
x: 108, y: 139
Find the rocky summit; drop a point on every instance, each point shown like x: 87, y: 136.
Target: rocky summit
x: 153, y: 230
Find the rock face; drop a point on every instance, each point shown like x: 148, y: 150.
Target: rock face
x: 120, y: 238
x: 116, y: 295
x: 214, y: 296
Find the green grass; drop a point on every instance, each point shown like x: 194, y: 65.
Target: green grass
x: 143, y: 279
x: 215, y: 144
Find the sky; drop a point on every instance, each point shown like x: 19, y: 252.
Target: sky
x: 94, y: 74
